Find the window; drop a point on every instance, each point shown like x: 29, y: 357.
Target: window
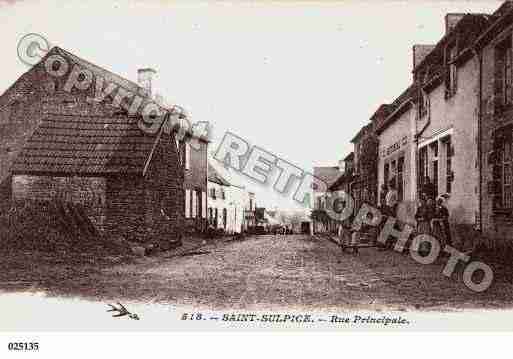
x: 434, y: 151
x: 451, y: 70
x: 423, y: 168
x: 386, y: 174
x: 225, y: 217
x: 503, y: 76
x: 213, y: 193
x: 223, y: 195
x: 506, y: 164
x: 216, y: 214
x: 448, y: 164
x: 501, y: 161
x: 423, y: 104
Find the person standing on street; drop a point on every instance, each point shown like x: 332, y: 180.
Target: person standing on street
x: 423, y: 217
x: 442, y: 220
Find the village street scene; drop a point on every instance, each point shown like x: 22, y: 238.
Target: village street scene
x: 111, y: 191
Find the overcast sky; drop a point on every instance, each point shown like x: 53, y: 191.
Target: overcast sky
x: 298, y: 79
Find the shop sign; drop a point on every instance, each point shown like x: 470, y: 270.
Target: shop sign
x: 394, y: 147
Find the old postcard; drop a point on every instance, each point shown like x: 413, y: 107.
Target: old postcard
x: 255, y: 166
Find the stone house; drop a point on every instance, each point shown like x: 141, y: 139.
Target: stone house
x: 447, y: 82
x: 60, y: 144
x: 432, y: 130
x: 494, y: 47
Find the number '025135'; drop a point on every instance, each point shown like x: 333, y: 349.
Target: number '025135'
x: 23, y: 346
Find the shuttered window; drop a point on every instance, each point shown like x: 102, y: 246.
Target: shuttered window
x: 506, y: 174
x: 451, y: 81
x: 503, y: 75
x: 502, y: 171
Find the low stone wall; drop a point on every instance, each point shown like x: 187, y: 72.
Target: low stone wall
x: 87, y: 191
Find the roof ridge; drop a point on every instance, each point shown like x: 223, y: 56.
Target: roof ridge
x: 100, y: 69
x: 91, y: 115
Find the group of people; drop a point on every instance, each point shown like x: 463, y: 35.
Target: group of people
x: 432, y: 215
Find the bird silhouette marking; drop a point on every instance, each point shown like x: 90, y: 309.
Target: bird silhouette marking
x: 122, y: 311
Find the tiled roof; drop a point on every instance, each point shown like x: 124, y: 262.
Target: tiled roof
x: 86, y: 145
x: 500, y: 19
x: 392, y: 109
x: 214, y: 176
x: 469, y: 28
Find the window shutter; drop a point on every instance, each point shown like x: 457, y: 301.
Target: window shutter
x: 187, y: 155
x: 193, y: 213
x: 187, y: 203
x: 204, y: 207
x: 447, y: 71
x: 498, y: 80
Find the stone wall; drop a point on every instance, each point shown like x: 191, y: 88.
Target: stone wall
x: 164, y: 192
x: 131, y: 205
x: 87, y: 191
x: 497, y: 229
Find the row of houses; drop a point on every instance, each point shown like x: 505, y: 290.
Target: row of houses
x: 453, y: 124
x: 59, y: 145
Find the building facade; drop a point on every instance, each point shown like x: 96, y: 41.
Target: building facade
x: 447, y: 122
x: 431, y: 134
x: 90, y: 155
x: 496, y: 128
x: 227, y: 203
x: 194, y: 153
x: 364, y: 185
x: 396, y: 156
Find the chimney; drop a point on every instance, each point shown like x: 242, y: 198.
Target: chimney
x: 451, y: 20
x: 145, y: 79
x: 420, y: 52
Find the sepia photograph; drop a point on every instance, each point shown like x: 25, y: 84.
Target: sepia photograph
x: 187, y: 166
